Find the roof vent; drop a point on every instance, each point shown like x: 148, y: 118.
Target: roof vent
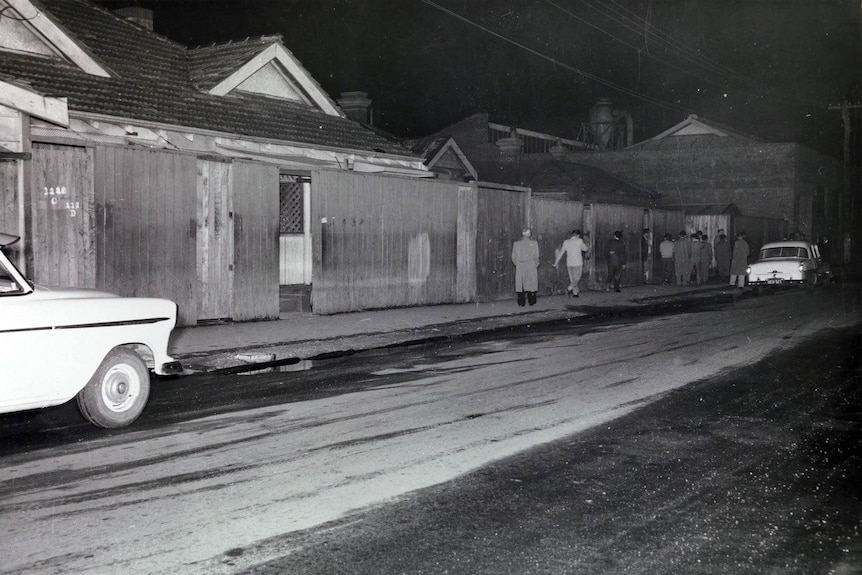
x: 138, y: 16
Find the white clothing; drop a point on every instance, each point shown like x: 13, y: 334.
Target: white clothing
x: 574, y: 249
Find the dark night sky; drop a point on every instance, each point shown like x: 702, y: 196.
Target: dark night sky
x: 767, y: 67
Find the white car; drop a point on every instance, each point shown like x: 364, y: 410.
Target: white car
x: 62, y: 343
x: 785, y: 263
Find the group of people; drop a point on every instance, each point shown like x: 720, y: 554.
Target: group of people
x: 686, y: 260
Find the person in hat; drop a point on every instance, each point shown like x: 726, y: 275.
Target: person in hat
x: 739, y: 261
x: 525, y: 256
x: 616, y: 261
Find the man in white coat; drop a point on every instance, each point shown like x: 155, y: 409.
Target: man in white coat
x: 574, y: 249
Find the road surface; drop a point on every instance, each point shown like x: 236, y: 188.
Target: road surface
x: 220, y: 470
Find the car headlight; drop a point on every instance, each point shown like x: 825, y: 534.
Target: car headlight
x: 748, y: 270
x: 801, y: 267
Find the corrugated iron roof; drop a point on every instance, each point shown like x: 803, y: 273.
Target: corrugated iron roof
x: 575, y: 181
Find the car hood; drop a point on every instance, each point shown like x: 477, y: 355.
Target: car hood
x: 55, y: 292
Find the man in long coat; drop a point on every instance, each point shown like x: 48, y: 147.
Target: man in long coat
x: 682, y: 259
x: 525, y: 256
x: 696, y: 254
x: 739, y: 262
x: 722, y: 257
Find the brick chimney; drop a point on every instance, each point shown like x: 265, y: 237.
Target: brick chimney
x: 142, y: 17
x: 355, y: 105
x: 510, y: 147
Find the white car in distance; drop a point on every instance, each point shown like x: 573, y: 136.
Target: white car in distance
x: 57, y: 344
x: 785, y: 263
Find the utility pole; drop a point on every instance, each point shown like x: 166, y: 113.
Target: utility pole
x: 849, y: 219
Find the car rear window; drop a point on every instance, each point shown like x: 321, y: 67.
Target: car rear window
x: 783, y: 252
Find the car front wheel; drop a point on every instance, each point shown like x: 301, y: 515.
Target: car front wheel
x: 117, y: 393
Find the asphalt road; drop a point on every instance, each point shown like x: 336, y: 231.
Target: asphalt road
x: 754, y: 471
x: 634, y: 445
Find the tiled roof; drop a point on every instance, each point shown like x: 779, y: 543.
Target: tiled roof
x: 152, y: 82
x: 209, y: 65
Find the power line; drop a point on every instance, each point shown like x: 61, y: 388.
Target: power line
x: 585, y: 74
x: 633, y: 47
x: 645, y: 28
x: 680, y: 49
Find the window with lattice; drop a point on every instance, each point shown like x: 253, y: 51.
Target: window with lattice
x: 290, y: 206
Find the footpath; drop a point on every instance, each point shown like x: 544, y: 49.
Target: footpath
x: 294, y: 337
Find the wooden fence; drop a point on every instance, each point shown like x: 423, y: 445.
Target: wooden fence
x: 146, y: 226
x: 60, y: 203
x: 202, y: 232
x: 386, y: 241
x: 256, y: 245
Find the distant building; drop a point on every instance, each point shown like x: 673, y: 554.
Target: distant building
x: 700, y: 165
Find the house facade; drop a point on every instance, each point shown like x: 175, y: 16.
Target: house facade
x: 137, y: 165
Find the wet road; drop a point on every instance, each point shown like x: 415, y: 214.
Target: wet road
x: 225, y: 473
x: 756, y: 471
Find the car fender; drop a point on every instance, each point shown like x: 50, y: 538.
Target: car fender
x: 49, y: 349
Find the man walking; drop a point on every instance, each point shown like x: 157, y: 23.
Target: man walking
x: 574, y: 249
